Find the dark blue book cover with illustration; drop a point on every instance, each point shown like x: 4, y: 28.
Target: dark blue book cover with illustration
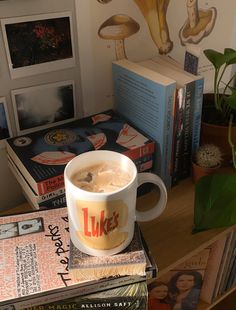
x: 42, y: 156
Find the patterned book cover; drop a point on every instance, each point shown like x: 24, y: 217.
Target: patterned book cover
x: 41, y: 156
x: 132, y: 296
x: 34, y: 260
x: 131, y: 261
x: 57, y: 198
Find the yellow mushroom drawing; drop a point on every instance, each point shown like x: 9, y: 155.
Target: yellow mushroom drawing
x: 118, y: 28
x: 154, y: 12
x: 199, y: 24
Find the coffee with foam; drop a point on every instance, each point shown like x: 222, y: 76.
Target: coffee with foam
x: 103, y: 177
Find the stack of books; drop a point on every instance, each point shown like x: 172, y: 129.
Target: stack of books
x: 164, y: 101
x: 38, y: 159
x: 38, y: 267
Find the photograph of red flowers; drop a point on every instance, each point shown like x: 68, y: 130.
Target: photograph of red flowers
x: 36, y: 40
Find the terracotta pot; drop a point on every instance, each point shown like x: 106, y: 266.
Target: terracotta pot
x: 199, y: 172
x: 216, y: 133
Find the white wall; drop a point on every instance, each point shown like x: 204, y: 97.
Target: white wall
x: 97, y: 54
x: 10, y: 193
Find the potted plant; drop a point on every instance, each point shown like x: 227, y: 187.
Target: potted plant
x: 220, y: 106
x: 206, y: 160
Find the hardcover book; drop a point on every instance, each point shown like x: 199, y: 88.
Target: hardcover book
x: 57, y: 198
x: 34, y: 256
x: 42, y: 156
x: 131, y: 261
x: 146, y: 98
x: 132, y: 296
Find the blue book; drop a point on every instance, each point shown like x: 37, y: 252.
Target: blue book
x: 193, y: 86
x: 146, y: 98
x: 57, y: 198
x: 198, y: 96
x: 41, y: 156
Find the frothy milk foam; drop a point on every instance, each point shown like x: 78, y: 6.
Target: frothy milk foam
x: 103, y: 177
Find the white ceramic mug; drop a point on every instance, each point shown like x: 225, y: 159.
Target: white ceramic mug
x: 103, y: 223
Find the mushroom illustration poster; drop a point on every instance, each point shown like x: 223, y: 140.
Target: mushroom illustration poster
x: 140, y: 29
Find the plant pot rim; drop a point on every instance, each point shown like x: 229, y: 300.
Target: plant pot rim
x: 210, y: 168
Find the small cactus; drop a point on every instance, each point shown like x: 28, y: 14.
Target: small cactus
x: 208, y: 156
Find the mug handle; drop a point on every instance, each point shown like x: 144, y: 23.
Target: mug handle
x: 147, y: 177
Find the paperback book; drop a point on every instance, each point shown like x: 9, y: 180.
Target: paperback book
x: 42, y: 156
x: 132, y: 296
x: 187, y: 115
x: 131, y: 261
x: 34, y: 254
x: 180, y: 287
x: 146, y: 98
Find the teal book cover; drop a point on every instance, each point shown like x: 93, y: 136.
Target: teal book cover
x: 146, y: 99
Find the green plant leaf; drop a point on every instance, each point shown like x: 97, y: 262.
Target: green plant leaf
x: 216, y: 58
x: 215, y: 202
x: 230, y: 56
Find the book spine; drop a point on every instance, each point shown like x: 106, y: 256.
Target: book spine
x: 56, y: 202
x: 231, y: 276
x: 56, y: 183
x: 144, y: 150
x: 143, y: 164
x: 21, y: 167
x: 50, y: 185
x: 168, y: 139
x: 178, y: 135
x: 187, y: 131
x: 197, y: 114
x: 119, y: 302
x: 230, y: 256
x: 23, y: 303
x: 223, y: 264
x: 51, y: 195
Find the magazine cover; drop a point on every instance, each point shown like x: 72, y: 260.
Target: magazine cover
x: 179, y: 289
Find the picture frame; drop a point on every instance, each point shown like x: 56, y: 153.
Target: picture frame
x: 37, y: 44
x: 44, y: 106
x: 5, y: 127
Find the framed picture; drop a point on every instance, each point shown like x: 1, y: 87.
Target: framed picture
x: 5, y: 128
x: 43, y: 106
x: 39, y: 43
